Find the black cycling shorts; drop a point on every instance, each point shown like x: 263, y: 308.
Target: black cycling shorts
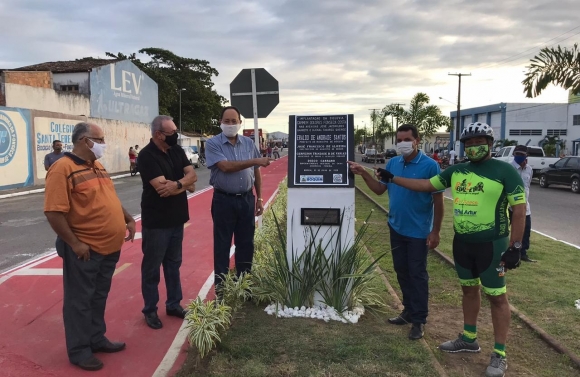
x: 480, y: 263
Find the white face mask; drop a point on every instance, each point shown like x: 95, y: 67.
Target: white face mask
x: 405, y: 148
x: 230, y: 130
x: 98, y: 149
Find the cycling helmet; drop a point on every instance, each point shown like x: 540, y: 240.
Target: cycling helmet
x: 475, y: 130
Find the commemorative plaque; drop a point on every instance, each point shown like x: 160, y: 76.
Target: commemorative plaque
x: 319, y: 147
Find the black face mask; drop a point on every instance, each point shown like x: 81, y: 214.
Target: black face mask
x: 171, y: 140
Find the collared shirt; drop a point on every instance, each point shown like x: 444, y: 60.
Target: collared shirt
x: 219, y: 148
x: 158, y: 212
x: 51, y: 158
x: 411, y: 212
x: 84, y: 192
x: 526, y: 173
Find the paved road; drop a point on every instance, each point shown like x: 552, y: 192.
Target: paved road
x: 555, y: 210
x: 25, y: 233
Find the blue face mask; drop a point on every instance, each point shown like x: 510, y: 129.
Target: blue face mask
x: 519, y: 159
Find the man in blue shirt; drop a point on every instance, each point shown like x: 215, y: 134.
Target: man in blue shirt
x: 54, y: 156
x: 235, y: 163
x: 412, y: 228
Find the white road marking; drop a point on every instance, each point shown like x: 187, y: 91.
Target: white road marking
x: 36, y: 191
x: 173, y: 352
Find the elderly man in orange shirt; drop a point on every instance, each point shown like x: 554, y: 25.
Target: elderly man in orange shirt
x: 83, y: 209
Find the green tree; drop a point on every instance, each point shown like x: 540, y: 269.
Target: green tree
x: 359, y: 136
x: 549, y: 144
x: 553, y: 66
x: 427, y: 118
x: 200, y: 103
x: 500, y: 143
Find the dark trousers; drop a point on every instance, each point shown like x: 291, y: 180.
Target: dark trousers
x: 527, y: 231
x: 86, y: 288
x: 161, y: 247
x: 410, y: 264
x: 232, y: 216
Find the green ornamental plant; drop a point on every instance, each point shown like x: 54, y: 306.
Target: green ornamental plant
x: 344, y: 278
x: 206, y: 322
x: 234, y: 290
x: 349, y: 272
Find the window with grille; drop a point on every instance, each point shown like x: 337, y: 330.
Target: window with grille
x: 556, y: 132
x: 525, y: 132
x: 69, y: 88
x: 576, y: 120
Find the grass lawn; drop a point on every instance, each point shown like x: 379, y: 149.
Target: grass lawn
x: 261, y: 345
x: 544, y: 291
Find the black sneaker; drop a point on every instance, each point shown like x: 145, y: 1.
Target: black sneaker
x: 525, y: 258
x: 402, y: 319
x: 417, y: 331
x: 178, y: 312
x: 153, y: 321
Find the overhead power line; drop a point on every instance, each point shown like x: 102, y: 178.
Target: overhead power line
x: 535, y: 48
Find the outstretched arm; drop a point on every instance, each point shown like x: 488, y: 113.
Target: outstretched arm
x: 423, y: 185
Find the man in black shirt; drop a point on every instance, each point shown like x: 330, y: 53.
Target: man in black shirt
x: 166, y: 174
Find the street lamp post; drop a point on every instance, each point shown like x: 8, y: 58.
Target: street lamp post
x: 180, y: 131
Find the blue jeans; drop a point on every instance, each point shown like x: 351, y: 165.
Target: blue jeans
x: 410, y: 264
x: 232, y: 216
x: 161, y: 246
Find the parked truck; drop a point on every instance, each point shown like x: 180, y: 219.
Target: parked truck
x: 373, y: 156
x: 536, y: 158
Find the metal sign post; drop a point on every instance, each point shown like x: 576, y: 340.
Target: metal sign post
x: 255, y: 93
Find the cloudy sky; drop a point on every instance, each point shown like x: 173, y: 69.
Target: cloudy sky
x: 329, y: 56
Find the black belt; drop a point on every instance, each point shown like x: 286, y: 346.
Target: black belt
x: 229, y: 194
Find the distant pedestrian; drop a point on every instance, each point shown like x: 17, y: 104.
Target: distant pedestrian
x: 166, y: 174
x: 452, y: 155
x: 55, y: 155
x: 83, y: 209
x: 276, y: 152
x: 269, y: 151
x: 235, y: 164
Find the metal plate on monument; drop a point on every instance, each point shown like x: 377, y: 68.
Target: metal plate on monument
x: 320, y: 146
x: 320, y: 216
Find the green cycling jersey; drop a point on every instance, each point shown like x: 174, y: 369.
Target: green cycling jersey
x: 481, y: 192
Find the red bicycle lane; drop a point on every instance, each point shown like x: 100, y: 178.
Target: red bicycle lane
x: 31, y: 327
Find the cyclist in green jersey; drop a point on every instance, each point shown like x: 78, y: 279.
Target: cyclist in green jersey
x: 483, y: 247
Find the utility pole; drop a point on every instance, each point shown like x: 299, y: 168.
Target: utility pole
x: 395, y: 129
x: 373, y: 116
x: 458, y: 118
x: 180, y: 131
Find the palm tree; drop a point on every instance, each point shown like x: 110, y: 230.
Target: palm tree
x: 427, y: 118
x: 553, y: 66
x: 549, y: 143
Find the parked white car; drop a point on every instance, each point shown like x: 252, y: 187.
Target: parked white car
x: 536, y: 158
x: 192, y: 156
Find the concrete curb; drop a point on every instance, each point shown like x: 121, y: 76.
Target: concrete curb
x: 36, y: 191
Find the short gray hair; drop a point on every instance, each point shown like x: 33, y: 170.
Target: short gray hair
x: 158, y: 122
x: 80, y: 130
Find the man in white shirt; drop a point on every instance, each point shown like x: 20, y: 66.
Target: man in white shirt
x: 451, y: 157
x: 520, y: 163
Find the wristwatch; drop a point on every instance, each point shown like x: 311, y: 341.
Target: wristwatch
x: 179, y: 185
x: 517, y: 245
